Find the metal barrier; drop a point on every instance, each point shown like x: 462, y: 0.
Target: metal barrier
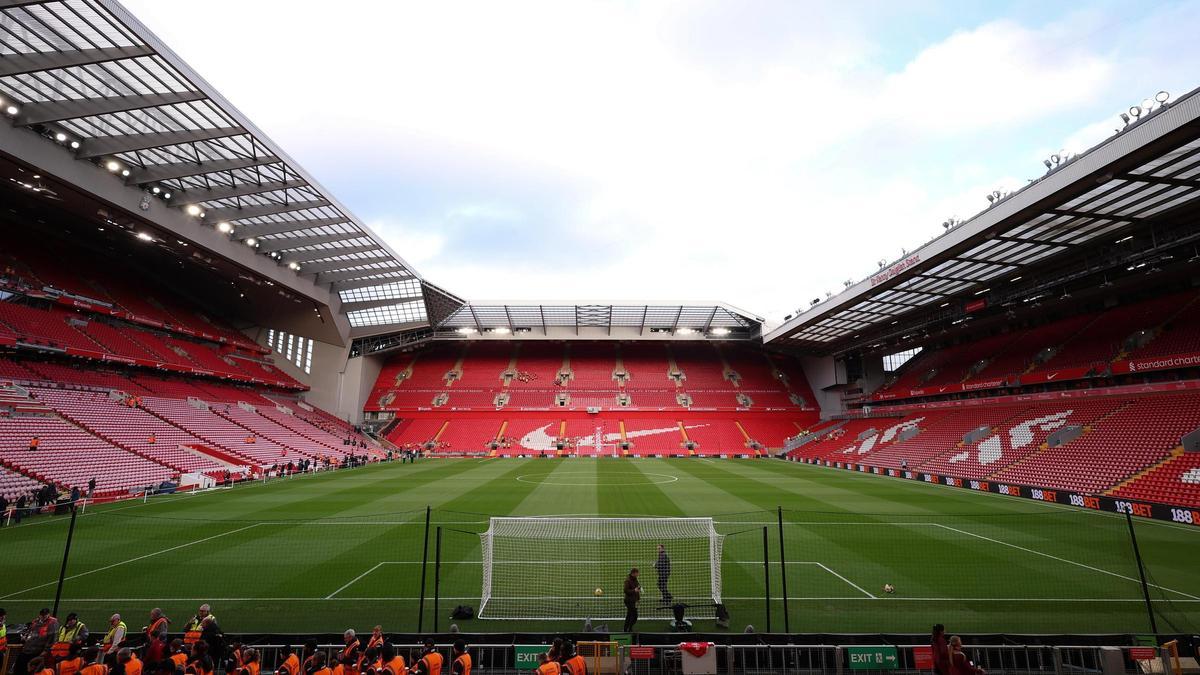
x: 605, y: 658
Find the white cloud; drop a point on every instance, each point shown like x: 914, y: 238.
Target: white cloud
x: 757, y: 154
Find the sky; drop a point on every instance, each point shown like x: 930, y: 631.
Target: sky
x: 752, y: 152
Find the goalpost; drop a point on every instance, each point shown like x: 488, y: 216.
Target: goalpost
x: 545, y: 568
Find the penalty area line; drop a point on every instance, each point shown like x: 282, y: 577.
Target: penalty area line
x: 126, y: 562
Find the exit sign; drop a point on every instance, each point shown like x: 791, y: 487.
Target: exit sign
x: 872, y: 658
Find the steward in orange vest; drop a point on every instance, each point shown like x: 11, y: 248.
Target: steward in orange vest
x: 318, y: 665
x: 72, y: 664
x: 291, y: 664
x: 462, y: 659
x: 431, y: 661
x: 93, y: 666
x: 249, y: 662
x: 376, y: 638
x: 392, y: 663
x: 178, y: 656
x: 546, y: 666
x: 574, y: 664
x: 132, y: 664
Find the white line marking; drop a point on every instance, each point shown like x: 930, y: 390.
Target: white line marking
x: 348, y: 583
x: 1065, y: 560
x: 125, y: 562
x: 743, y: 598
x: 856, y: 586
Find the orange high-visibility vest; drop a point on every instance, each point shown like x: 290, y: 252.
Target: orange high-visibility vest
x: 291, y: 665
x: 464, y: 664
x: 549, y: 668
x: 349, y: 649
x: 179, y: 659
x: 133, y: 666
x: 576, y: 665
x: 156, y: 626
x: 433, y: 663
x: 251, y: 668
x: 323, y: 671
x: 395, y: 666
x: 46, y: 671
x: 94, y: 669
x: 375, y: 641
x: 70, y: 666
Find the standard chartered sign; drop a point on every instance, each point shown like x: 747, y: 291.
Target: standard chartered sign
x: 872, y: 658
x: 525, y: 657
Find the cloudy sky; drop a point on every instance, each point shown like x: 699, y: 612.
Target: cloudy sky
x: 754, y: 152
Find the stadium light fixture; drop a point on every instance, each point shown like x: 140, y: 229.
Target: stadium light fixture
x: 193, y: 210
x: 224, y: 227
x: 465, y: 330
x: 60, y: 137
x: 1124, y: 239
x: 156, y: 189
x: 720, y: 331
x: 144, y: 237
x: 125, y: 173
x: 252, y: 242
x: 12, y: 110
x: 1016, y: 278
x: 982, y: 291
x: 74, y: 145
x: 294, y: 266
x: 112, y: 165
x: 686, y: 331
x: 166, y: 195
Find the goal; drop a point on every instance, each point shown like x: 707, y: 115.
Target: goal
x: 544, y: 568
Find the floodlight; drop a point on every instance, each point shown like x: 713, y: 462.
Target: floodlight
x: 252, y: 242
x: 74, y: 145
x: 295, y: 266
x: 501, y: 330
x: 465, y: 331
x: 144, y: 237
x: 193, y: 210
x: 112, y: 166
x: 166, y: 195
x: 60, y: 137
x: 156, y: 189
x: 720, y: 331
x: 1162, y: 97
x: 125, y: 172
x: 224, y: 227
x: 12, y: 110
x: 685, y: 331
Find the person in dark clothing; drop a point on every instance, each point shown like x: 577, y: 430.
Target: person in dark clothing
x: 20, y: 512
x: 633, y: 593
x: 940, y: 649
x: 662, y: 566
x: 3, y: 510
x: 91, y: 488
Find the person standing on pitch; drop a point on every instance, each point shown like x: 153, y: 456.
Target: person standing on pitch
x: 633, y: 593
x: 663, y: 567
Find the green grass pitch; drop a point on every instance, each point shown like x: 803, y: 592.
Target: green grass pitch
x: 343, y: 549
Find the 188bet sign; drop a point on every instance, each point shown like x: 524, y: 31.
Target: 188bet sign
x: 872, y: 658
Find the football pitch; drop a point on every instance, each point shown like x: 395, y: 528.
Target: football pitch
x: 342, y: 549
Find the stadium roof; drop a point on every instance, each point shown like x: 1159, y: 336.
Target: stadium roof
x: 557, y: 320
x: 88, y: 76
x: 1140, y: 175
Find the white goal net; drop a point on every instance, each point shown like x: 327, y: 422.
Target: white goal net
x: 575, y: 568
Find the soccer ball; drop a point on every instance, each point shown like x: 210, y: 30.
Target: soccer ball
x: 598, y: 592
x: 888, y: 588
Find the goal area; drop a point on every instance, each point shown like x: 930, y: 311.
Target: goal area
x: 546, y: 568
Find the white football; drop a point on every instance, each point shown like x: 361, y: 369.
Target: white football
x: 888, y: 588
x: 599, y: 592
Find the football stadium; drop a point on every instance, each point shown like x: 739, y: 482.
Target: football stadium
x: 232, y: 413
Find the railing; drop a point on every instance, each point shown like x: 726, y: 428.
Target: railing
x: 500, y: 659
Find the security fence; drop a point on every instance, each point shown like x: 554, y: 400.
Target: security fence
x: 1062, y: 570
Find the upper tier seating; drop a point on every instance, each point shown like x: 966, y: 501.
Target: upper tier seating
x: 647, y: 366
x: 537, y: 366
x: 70, y: 456
x: 592, y: 366
x: 126, y: 427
